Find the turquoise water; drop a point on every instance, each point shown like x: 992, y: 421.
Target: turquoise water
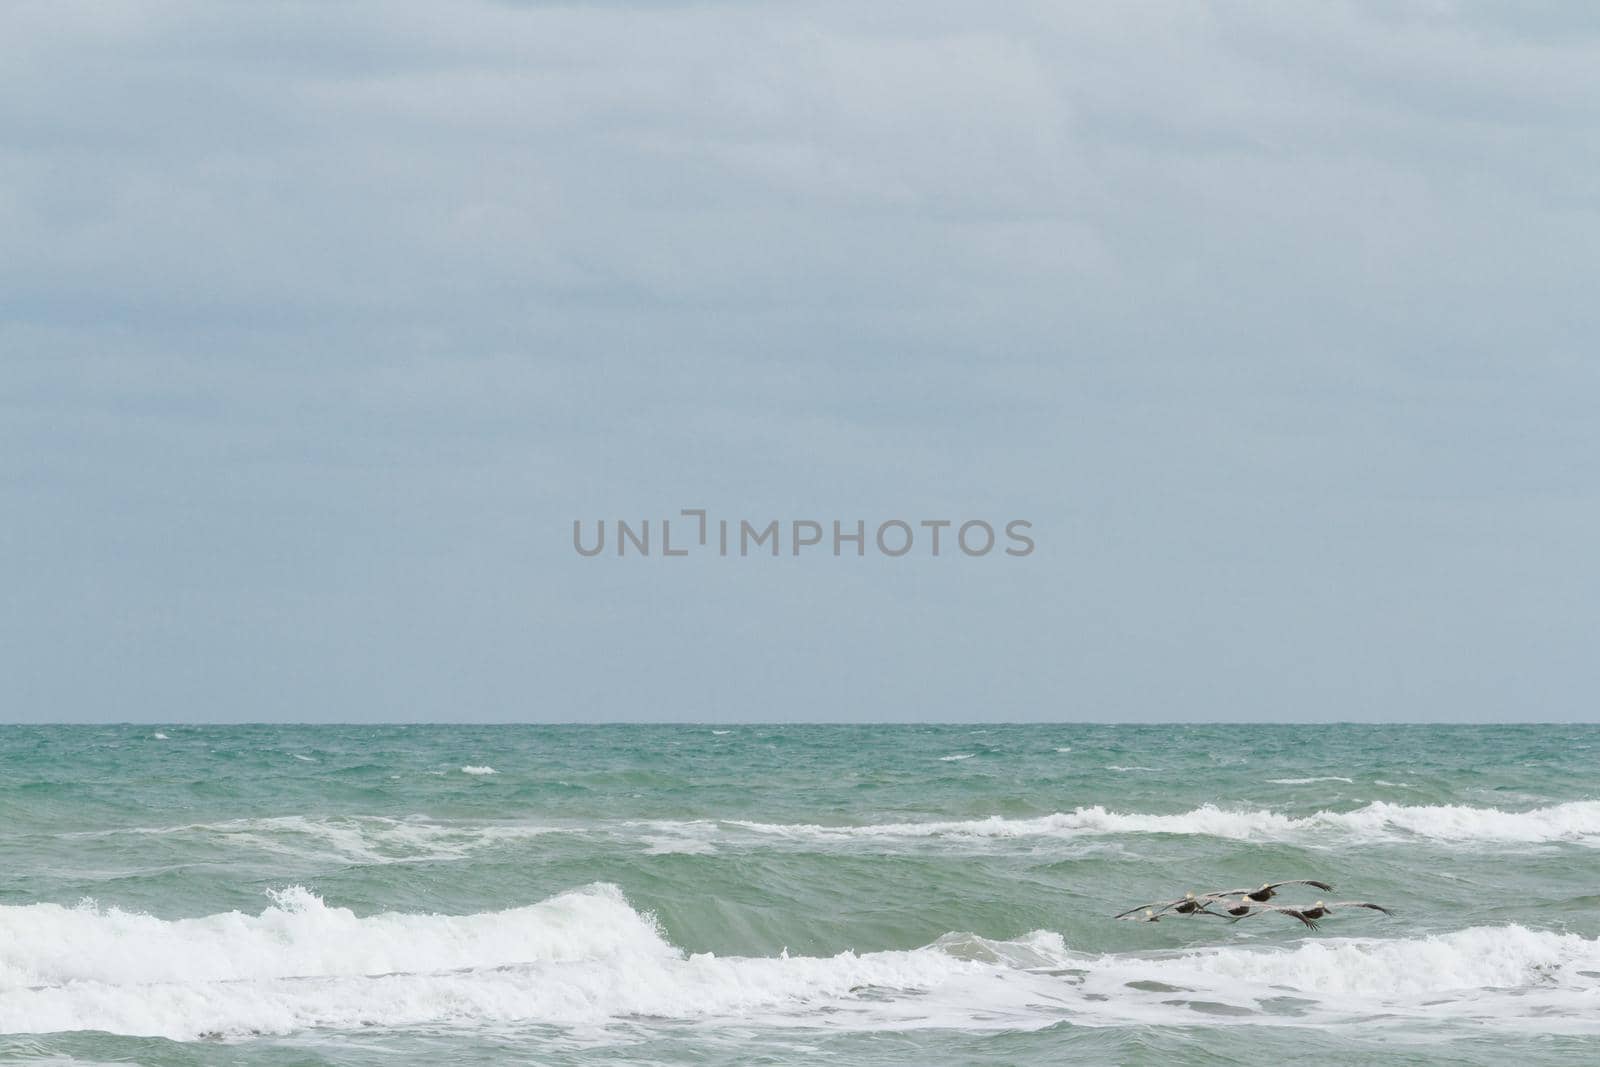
x: 739, y: 894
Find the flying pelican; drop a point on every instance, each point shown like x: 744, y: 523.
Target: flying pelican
x: 1246, y: 906
x: 1150, y: 916
x: 1241, y: 909
x: 1188, y: 904
x: 1269, y: 890
x: 1319, y: 909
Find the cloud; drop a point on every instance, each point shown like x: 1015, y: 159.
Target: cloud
x: 334, y: 316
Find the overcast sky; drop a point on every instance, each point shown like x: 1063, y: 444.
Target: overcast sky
x: 321, y: 322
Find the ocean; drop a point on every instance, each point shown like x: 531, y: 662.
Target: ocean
x: 707, y: 894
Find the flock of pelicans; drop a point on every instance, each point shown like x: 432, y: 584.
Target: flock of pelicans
x: 1236, y: 904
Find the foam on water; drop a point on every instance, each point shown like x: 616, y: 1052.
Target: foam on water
x: 1575, y: 821
x: 479, y: 770
x: 368, y: 839
x: 586, y: 958
x: 381, y: 840
x: 1309, y: 781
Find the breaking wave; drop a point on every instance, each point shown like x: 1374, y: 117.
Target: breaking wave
x: 368, y: 839
x: 586, y: 958
x: 1576, y: 821
x: 376, y: 840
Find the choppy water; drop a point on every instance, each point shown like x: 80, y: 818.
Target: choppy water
x: 697, y: 894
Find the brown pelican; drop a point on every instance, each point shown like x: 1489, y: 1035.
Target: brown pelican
x: 1319, y: 909
x: 1192, y: 903
x: 1188, y: 904
x: 1269, y: 890
x: 1241, y: 909
x: 1246, y: 906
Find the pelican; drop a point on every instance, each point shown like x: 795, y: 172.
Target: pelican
x: 1188, y: 904
x: 1248, y: 907
x: 1319, y: 909
x: 1269, y: 890
x: 1241, y: 909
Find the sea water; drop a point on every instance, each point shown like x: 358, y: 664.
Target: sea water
x: 793, y: 894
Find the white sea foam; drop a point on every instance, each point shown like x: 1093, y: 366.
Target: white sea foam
x: 1575, y: 821
x: 1495, y: 957
x: 382, y: 840
x: 159, y: 736
x: 1064, y: 748
x: 673, y: 845
x: 957, y: 757
x: 1308, y: 781
x: 1119, y: 767
x: 351, y: 838
x: 479, y: 770
x: 1503, y: 976
x: 300, y: 936
x: 581, y: 958
x: 585, y: 958
x: 302, y: 759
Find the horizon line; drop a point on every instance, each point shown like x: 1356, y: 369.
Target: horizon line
x: 811, y: 722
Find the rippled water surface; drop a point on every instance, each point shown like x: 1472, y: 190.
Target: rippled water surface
x: 729, y: 894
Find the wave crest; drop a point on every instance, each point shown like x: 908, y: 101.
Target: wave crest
x: 585, y: 958
x: 1576, y: 821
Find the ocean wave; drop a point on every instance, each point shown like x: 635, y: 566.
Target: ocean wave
x: 1495, y: 976
x: 579, y: 959
x: 956, y: 757
x: 1309, y: 781
x: 370, y: 839
x: 380, y: 840
x: 479, y: 770
x: 1575, y: 821
x: 1481, y: 957
x: 586, y: 958
x: 300, y: 936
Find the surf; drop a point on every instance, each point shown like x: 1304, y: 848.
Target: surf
x: 586, y: 958
x: 1575, y: 821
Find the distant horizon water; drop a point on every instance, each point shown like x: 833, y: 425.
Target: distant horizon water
x: 912, y: 723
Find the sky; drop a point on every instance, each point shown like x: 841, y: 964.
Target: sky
x: 321, y: 323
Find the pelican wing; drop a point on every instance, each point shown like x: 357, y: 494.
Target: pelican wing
x: 1324, y: 886
x: 1221, y: 893
x: 1359, y: 904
